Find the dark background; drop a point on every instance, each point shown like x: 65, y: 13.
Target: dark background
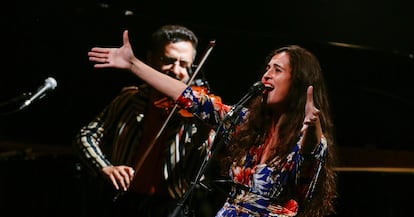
x: 365, y: 49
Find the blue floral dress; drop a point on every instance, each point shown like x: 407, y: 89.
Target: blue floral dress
x: 273, y: 189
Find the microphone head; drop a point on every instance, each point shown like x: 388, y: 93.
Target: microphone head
x: 51, y: 83
x: 257, y: 87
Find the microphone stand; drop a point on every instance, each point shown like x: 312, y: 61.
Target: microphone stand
x: 12, y: 102
x: 209, y: 156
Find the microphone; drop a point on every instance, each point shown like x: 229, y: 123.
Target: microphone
x: 254, y: 90
x: 50, y: 84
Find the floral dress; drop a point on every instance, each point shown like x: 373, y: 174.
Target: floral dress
x: 273, y: 189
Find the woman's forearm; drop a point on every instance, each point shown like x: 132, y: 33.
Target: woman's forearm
x: 163, y: 83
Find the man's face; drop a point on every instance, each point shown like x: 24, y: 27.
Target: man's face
x: 176, y: 60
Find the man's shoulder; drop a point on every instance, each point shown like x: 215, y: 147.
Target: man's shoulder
x: 130, y: 89
x: 133, y: 93
x: 134, y: 88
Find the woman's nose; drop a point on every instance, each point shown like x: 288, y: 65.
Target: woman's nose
x: 266, y: 75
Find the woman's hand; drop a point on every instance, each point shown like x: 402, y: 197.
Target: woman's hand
x: 311, y: 130
x: 120, y: 176
x: 113, y: 57
x: 123, y: 58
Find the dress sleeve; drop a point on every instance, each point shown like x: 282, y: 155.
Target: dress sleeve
x: 311, y: 168
x: 207, y: 107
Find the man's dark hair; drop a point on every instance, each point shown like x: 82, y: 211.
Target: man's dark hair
x: 172, y: 34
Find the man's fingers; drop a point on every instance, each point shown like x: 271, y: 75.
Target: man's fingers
x: 130, y: 172
x: 114, y: 181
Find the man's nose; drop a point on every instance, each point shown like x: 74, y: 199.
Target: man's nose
x: 175, y: 71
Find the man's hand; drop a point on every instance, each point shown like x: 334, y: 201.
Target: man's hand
x: 120, y: 176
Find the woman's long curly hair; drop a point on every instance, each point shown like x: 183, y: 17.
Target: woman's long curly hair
x: 306, y: 71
